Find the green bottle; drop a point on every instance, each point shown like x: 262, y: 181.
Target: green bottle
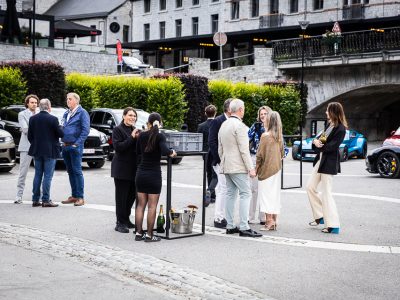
x: 160, y: 221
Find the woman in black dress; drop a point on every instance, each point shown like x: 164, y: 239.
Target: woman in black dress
x: 123, y: 168
x: 151, y: 146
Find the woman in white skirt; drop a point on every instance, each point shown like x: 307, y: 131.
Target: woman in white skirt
x: 268, y: 167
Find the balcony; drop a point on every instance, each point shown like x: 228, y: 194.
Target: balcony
x: 272, y: 20
x: 353, y: 12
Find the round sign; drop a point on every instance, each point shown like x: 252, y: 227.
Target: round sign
x: 220, y: 38
x: 114, y: 27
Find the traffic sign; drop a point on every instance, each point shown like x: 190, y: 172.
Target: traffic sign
x: 336, y: 28
x: 220, y: 38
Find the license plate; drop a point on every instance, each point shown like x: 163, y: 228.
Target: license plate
x: 88, y: 151
x: 310, y: 155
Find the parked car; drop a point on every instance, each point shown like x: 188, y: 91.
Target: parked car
x: 132, y: 64
x: 385, y: 161
x: 95, y: 149
x: 105, y: 119
x: 7, y: 151
x: 393, y: 139
x: 354, y: 144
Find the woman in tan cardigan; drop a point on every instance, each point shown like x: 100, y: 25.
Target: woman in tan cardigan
x: 268, y: 168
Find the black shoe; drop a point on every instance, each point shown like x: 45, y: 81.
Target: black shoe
x: 140, y: 236
x: 36, y: 203
x: 212, y: 200
x: 232, y: 230
x: 221, y: 224
x: 262, y: 223
x: 249, y: 233
x: 49, y: 204
x: 207, y: 199
x: 121, y: 228
x: 130, y: 225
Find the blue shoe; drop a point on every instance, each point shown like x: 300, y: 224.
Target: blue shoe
x: 317, y: 222
x: 334, y: 230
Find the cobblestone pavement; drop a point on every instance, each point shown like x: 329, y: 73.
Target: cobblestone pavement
x: 177, y: 281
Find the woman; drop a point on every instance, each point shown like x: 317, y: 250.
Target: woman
x: 123, y: 168
x: 254, y: 134
x: 151, y: 146
x: 327, y: 164
x: 268, y: 168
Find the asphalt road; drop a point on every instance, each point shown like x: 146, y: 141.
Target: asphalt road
x: 297, y: 261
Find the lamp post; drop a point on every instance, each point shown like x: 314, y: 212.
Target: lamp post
x: 33, y: 30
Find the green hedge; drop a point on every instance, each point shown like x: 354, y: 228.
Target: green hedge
x: 12, y: 87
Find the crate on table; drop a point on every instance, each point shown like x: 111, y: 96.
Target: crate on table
x: 185, y: 141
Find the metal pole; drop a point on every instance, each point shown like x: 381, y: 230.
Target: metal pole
x: 301, y: 109
x: 33, y: 30
x: 220, y: 56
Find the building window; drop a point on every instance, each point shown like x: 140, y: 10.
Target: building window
x: 235, y: 10
x: 146, y: 29
x: 274, y: 7
x: 125, y: 34
x: 195, y: 26
x: 70, y: 40
x: 178, y: 28
x: 318, y: 4
x: 214, y: 23
x: 178, y: 3
x: 93, y: 37
x: 147, y: 6
x: 294, y: 6
x: 255, y: 8
x: 163, y: 4
x: 195, y: 2
x: 162, y: 30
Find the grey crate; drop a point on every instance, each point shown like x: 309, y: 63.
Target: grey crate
x: 185, y: 141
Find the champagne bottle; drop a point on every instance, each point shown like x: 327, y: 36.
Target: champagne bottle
x: 322, y: 138
x: 161, y: 221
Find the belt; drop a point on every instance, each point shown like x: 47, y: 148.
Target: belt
x: 68, y: 144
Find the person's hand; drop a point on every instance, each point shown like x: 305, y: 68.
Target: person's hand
x: 252, y: 173
x: 135, y: 133
x: 173, y: 154
x: 318, y: 143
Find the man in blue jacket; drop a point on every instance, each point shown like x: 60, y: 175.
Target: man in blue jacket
x: 76, y: 124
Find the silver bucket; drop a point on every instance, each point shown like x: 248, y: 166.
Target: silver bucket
x: 182, y: 221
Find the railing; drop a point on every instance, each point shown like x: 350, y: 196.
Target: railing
x: 272, y: 20
x: 373, y: 40
x: 354, y: 11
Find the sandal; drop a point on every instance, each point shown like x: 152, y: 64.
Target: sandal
x: 334, y: 230
x: 317, y: 222
x: 154, y: 238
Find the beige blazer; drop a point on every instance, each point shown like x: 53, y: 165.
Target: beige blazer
x: 233, y: 147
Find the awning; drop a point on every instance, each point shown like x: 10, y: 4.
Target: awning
x: 64, y: 29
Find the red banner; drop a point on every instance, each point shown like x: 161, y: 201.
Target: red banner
x: 119, y: 51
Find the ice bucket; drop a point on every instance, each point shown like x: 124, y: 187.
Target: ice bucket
x: 182, y: 221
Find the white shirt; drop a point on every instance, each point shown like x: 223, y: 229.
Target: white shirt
x: 72, y: 112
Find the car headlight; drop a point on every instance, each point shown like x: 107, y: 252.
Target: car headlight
x: 8, y: 139
x: 103, y: 138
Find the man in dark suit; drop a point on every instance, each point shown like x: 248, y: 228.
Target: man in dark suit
x: 219, y: 215
x: 212, y: 178
x: 43, y: 134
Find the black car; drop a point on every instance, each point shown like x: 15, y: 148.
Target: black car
x: 385, y: 161
x: 95, y: 149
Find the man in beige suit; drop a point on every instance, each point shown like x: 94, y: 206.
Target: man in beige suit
x: 236, y: 164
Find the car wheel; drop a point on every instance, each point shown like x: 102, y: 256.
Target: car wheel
x: 388, y: 165
x: 344, y: 154
x: 295, y: 151
x: 95, y: 164
x: 364, y: 151
x: 176, y: 161
x: 5, y: 170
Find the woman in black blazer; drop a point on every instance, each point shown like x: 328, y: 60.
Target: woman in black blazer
x: 123, y: 168
x: 327, y: 164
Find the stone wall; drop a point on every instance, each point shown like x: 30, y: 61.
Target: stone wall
x: 71, y: 61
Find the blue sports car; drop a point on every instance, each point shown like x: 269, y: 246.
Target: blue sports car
x: 354, y: 144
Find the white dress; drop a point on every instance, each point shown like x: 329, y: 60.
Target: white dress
x: 269, y: 194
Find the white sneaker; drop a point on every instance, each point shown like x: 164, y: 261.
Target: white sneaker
x: 18, y: 201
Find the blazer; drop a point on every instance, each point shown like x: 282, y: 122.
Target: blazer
x: 124, y: 163
x: 23, y: 120
x: 330, y: 162
x: 233, y: 147
x: 204, y: 128
x: 77, y: 128
x: 43, y: 134
x: 213, y: 139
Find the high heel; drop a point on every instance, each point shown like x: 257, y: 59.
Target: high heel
x: 317, y: 222
x: 334, y: 230
x: 268, y: 228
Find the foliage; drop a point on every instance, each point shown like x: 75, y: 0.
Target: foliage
x: 12, y: 86
x: 220, y: 90
x: 85, y: 87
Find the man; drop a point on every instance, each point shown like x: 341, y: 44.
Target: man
x: 236, y: 164
x: 76, y: 125
x: 220, y: 190
x: 31, y: 102
x: 43, y: 134
x: 212, y: 178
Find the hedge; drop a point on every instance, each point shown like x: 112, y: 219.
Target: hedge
x: 12, y: 86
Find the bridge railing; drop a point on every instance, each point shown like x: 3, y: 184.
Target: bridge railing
x: 331, y: 44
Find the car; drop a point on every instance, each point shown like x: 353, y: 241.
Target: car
x: 393, y: 139
x: 132, y: 64
x: 7, y: 151
x: 105, y: 119
x: 385, y: 161
x: 95, y: 149
x: 354, y: 144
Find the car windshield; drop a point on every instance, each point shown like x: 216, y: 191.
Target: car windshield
x: 141, y: 120
x: 133, y: 61
x: 58, y: 112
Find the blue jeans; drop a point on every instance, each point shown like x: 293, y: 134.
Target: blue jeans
x: 237, y: 183
x: 44, y: 170
x: 73, y: 159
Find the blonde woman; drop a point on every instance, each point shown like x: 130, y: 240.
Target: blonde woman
x: 268, y: 167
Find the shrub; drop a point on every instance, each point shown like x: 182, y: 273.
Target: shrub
x: 45, y: 79
x: 12, y: 86
x: 220, y: 90
x: 84, y: 86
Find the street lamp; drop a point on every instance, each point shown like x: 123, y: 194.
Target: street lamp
x: 33, y: 30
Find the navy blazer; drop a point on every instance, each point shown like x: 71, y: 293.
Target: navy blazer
x: 330, y: 162
x: 204, y: 128
x: 43, y: 134
x: 124, y: 163
x: 213, y: 139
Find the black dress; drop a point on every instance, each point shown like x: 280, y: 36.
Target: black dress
x: 148, y: 176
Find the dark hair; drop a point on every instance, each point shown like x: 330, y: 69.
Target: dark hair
x: 210, y: 111
x: 29, y: 97
x: 128, y: 109
x: 336, y: 114
x: 154, y: 130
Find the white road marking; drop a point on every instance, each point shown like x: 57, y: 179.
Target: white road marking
x: 338, y: 175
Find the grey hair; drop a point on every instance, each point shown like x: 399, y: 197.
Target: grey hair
x: 235, y: 105
x: 226, y: 104
x: 75, y: 95
x: 44, y: 104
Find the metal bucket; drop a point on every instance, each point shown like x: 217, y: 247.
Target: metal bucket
x: 182, y: 221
